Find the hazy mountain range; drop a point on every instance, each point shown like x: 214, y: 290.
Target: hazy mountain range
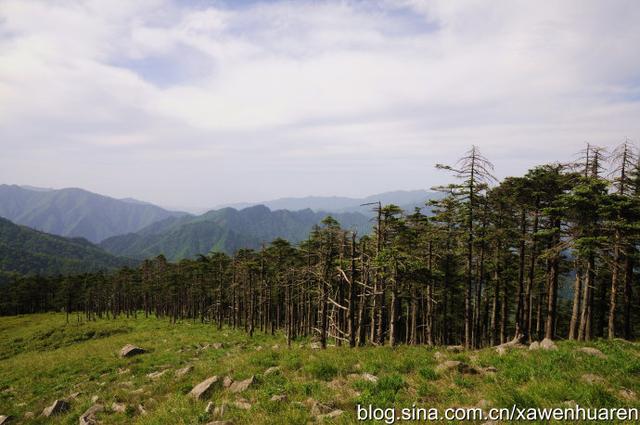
x: 52, y: 231
x: 225, y: 230
x: 76, y: 212
x: 406, y: 199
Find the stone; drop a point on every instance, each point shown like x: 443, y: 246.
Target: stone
x: 331, y: 415
x: 95, y: 399
x: 227, y: 381
x: 535, y: 345
x: 242, y: 404
x: 369, y: 377
x: 490, y: 369
x: 118, y: 407
x: 271, y: 370
x: 455, y: 348
x: 315, y: 346
x: 259, y: 348
x: 58, y: 406
x: 592, y: 379
x: 89, y: 416
x: 317, y: 408
x: 142, y: 410
x: 279, y: 397
x: 157, y: 375
x: 131, y: 350
x: 220, y: 423
x: 547, y: 344
x: 627, y: 394
x: 29, y: 415
x: 217, y: 345
x: 483, y: 404
x: 182, y: 372
x: 4, y: 419
x: 592, y: 352
x: 240, y: 386
x: 122, y: 371
x: 438, y: 356
x: 74, y: 396
x: 203, y: 388
x: 275, y: 347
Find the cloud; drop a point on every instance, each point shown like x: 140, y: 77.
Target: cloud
x: 305, y: 95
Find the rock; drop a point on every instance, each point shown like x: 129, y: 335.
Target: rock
x: 271, y: 370
x: 317, y: 408
x: 142, y: 410
x: 624, y: 393
x: 58, y: 406
x: 74, y: 396
x: 570, y: 403
x: 131, y: 350
x: 438, y: 356
x: 490, y: 369
x: 122, y: 371
x: 227, y: 381
x: 448, y: 365
x: 118, y: 407
x: 29, y: 415
x: 95, y: 399
x: 332, y: 414
x: 455, y: 348
x: 220, y: 423
x: 547, y: 344
x: 259, y: 348
x: 242, y: 404
x: 4, y: 419
x: 89, y: 416
x: 490, y: 423
x: 275, y: 347
x: 279, y: 397
x: 203, y: 388
x: 369, y: 377
x: 240, y: 386
x: 217, y: 345
x: 593, y: 352
x: 535, y: 345
x: 592, y: 379
x: 315, y: 346
x: 157, y: 375
x: 182, y: 372
x: 209, y: 407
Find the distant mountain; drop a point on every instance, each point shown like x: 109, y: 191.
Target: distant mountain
x: 406, y: 199
x: 28, y: 251
x: 77, y: 212
x: 224, y: 230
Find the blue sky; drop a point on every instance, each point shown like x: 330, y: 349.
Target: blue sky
x: 200, y: 103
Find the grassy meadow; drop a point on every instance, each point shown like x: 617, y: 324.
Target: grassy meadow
x: 43, y: 359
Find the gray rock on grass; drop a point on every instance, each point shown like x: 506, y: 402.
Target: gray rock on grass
x: 203, y: 388
x: 131, y: 350
x: 58, y: 406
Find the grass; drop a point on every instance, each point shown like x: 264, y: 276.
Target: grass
x: 42, y: 359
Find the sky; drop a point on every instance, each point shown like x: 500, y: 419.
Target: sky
x: 194, y: 104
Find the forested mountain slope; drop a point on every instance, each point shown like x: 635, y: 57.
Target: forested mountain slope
x: 77, y: 212
x: 225, y: 230
x: 28, y: 251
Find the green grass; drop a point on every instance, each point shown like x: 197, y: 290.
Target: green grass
x: 42, y: 358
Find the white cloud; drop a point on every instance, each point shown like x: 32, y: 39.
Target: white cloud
x: 232, y: 94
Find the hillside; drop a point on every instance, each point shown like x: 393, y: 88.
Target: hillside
x: 77, y: 212
x: 406, y: 199
x: 225, y: 230
x: 292, y: 385
x: 27, y: 251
